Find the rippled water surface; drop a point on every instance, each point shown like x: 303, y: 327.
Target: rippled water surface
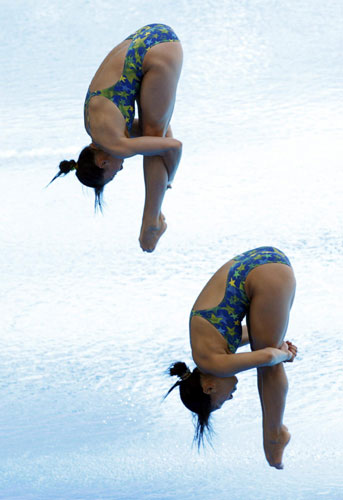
x: 90, y: 323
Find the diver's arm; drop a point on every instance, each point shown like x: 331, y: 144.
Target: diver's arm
x: 170, y: 160
x: 105, y: 135
x: 226, y: 365
x: 168, y: 148
x: 136, y: 130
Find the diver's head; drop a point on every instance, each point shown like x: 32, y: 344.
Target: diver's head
x: 94, y: 168
x: 202, y: 394
x: 220, y: 389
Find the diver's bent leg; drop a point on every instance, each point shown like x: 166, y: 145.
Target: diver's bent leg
x: 156, y: 104
x: 260, y: 390
x: 273, y: 387
x: 153, y: 222
x: 156, y: 184
x: 268, y: 320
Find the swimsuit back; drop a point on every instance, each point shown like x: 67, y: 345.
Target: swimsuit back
x: 125, y: 91
x: 228, y: 315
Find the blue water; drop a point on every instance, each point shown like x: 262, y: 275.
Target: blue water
x: 90, y: 323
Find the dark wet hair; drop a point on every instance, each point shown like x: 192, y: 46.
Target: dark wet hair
x: 87, y: 172
x: 194, y: 398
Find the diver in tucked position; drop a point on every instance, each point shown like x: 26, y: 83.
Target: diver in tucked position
x: 260, y: 285
x: 145, y: 68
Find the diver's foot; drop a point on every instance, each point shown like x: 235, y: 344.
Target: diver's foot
x: 274, y: 446
x: 150, y: 234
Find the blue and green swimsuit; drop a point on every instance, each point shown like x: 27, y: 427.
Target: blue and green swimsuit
x: 228, y: 315
x: 125, y: 91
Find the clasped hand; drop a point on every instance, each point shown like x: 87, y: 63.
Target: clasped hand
x: 291, y: 349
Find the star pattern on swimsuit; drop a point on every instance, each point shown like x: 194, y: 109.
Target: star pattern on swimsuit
x: 215, y: 319
x: 231, y: 331
x: 125, y: 109
x: 233, y: 300
x: 229, y: 309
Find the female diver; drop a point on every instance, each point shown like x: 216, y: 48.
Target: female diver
x: 260, y: 285
x: 145, y: 68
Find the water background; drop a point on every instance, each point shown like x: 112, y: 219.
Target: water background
x: 89, y: 323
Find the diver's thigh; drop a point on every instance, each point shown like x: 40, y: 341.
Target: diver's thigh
x: 268, y: 318
x: 157, y: 94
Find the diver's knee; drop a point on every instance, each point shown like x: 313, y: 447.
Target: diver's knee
x: 155, y: 130
x: 262, y: 343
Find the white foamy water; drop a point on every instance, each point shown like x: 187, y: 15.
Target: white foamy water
x: 89, y: 323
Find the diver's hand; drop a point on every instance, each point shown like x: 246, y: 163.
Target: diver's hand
x: 289, y: 349
x: 285, y: 349
x: 292, y: 349
x: 278, y: 354
x: 285, y: 353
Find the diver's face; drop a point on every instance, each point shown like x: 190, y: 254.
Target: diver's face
x: 219, y: 389
x: 110, y: 166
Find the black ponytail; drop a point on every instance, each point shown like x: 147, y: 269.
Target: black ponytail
x: 65, y: 167
x: 194, y: 398
x: 87, y: 172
